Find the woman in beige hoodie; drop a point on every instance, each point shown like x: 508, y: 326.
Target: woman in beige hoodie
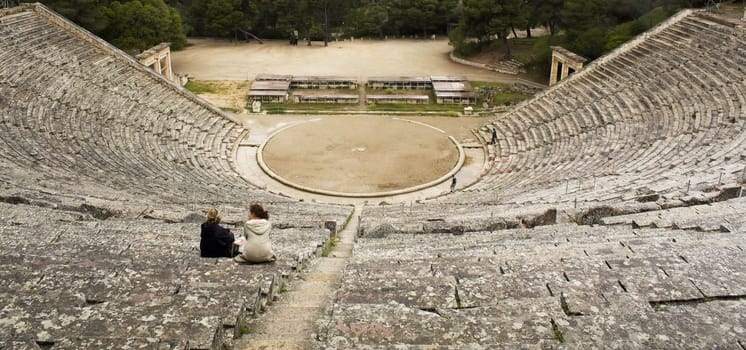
x: 257, y: 248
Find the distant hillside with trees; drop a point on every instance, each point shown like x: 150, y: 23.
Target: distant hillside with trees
x: 275, y: 19
x: 588, y: 27
x: 132, y: 26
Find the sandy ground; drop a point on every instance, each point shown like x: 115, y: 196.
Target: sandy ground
x: 228, y: 94
x: 210, y: 59
x: 360, y: 154
x: 734, y: 10
x: 263, y: 125
x: 347, y: 153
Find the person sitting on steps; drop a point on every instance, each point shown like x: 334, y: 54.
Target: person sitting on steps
x: 215, y: 240
x: 257, y: 248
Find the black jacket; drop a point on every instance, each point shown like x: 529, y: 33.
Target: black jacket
x: 215, y: 241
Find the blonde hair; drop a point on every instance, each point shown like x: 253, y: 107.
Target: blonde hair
x: 213, y: 215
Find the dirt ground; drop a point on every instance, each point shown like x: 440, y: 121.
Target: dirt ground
x: 211, y: 59
x: 460, y: 128
x: 733, y: 10
x: 229, y: 94
x: 342, y: 153
x: 338, y: 169
x: 360, y: 154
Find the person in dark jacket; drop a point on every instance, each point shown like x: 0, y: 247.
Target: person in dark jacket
x: 216, y: 241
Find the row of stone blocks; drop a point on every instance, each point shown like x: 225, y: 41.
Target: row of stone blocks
x: 73, y: 110
x: 72, y: 282
x: 671, y: 107
x: 457, y: 218
x: 560, y: 286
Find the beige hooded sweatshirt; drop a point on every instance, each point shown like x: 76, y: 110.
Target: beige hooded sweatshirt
x: 258, y: 247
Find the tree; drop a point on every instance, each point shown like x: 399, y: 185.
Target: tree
x: 484, y: 19
x: 366, y: 21
x: 220, y: 18
x: 546, y: 12
x: 586, y: 23
x: 86, y: 13
x: 140, y: 24
x: 130, y: 25
x: 416, y: 17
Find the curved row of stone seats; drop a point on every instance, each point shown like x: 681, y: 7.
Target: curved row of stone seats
x: 76, y: 111
x: 452, y: 218
x: 565, y: 190
x: 725, y: 216
x: 669, y: 106
x: 446, y: 216
x: 556, y: 286
x: 291, y: 215
x: 69, y: 281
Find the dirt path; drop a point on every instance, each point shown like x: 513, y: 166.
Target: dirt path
x: 210, y: 59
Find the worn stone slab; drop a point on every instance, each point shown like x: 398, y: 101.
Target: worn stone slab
x: 19, y: 345
x: 388, y: 267
x: 161, y: 318
x: 492, y: 289
x: 413, y: 291
x: 672, y: 326
x: 466, y: 268
x: 356, y: 325
x: 73, y: 343
x: 393, y: 325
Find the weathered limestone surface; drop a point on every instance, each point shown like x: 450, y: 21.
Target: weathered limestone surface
x: 664, y: 114
x: 85, y: 127
x: 553, y: 286
x: 720, y: 216
x: 71, y: 282
x: 103, y: 162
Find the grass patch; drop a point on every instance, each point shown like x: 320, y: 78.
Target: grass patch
x: 509, y: 98
x: 487, y: 85
x: 403, y: 107
x: 230, y: 109
x: 329, y: 246
x: 244, y: 330
x: 200, y: 87
x: 313, y: 107
x: 502, y: 94
x: 557, y: 333
x: 275, y: 109
x: 347, y: 220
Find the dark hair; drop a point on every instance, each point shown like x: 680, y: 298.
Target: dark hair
x: 258, y: 211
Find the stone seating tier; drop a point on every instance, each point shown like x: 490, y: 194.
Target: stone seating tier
x: 82, y: 120
x: 660, y: 112
x: 459, y: 217
x: 556, y: 286
x: 70, y: 280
